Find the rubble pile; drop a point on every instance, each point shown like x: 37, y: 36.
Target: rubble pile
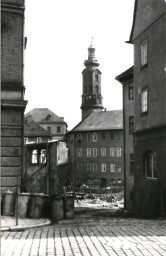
x: 109, y: 201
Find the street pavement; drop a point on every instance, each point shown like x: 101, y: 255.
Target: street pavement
x: 87, y: 235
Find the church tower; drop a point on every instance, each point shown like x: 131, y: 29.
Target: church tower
x: 91, y: 97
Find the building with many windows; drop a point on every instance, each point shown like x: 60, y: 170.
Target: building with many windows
x: 126, y: 78
x: 48, y: 121
x: 148, y: 35
x: 96, y: 150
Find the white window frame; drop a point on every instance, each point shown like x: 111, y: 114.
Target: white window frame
x: 88, y: 152
x: 144, y: 53
x: 112, y: 152
x: 118, y: 152
x: 79, y: 152
x: 103, y: 151
x: 95, y: 152
x: 112, y: 167
x: 26, y: 140
x: 152, y: 165
x: 144, y: 100
x: 94, y: 167
x: 94, y: 136
x: 103, y: 167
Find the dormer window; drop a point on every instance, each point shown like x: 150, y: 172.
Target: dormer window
x: 48, y: 117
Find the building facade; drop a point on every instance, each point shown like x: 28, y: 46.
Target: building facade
x: 91, y: 77
x: 12, y: 93
x: 149, y: 38
x: 126, y: 78
x: 49, y: 121
x: 96, y: 151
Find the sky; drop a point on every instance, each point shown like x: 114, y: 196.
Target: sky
x: 58, y: 35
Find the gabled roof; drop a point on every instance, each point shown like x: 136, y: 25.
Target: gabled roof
x: 101, y: 120
x: 145, y: 13
x: 40, y: 115
x: 125, y: 75
x: 31, y: 128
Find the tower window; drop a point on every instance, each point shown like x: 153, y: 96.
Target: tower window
x: 97, y: 78
x: 96, y: 89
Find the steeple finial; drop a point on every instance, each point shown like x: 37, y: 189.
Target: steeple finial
x: 92, y: 40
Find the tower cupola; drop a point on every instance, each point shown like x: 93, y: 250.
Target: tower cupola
x: 91, y: 96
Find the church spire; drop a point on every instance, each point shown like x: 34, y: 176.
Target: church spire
x: 91, y: 97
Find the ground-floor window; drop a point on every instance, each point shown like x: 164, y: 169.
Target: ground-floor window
x: 149, y: 165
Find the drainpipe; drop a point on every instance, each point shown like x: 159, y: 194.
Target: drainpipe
x: 124, y: 151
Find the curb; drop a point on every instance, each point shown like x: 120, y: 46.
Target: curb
x: 22, y: 228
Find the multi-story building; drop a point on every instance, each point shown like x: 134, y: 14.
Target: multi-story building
x: 49, y: 121
x: 149, y: 38
x: 96, y: 143
x: 12, y: 93
x: 126, y: 78
x: 96, y: 150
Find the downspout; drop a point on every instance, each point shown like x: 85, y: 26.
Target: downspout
x: 124, y: 150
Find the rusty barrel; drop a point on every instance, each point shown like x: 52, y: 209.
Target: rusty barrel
x: 23, y: 200
x: 9, y: 203
x: 57, y: 211
x: 69, y: 207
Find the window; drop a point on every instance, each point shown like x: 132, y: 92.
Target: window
x: 48, y: 117
x: 42, y: 158
x: 103, y: 151
x: 88, y: 152
x: 149, y: 165
x: 34, y: 156
x: 38, y: 139
x: 58, y: 129
x: 103, y: 136
x: 79, y: 167
x: 88, y: 167
x: 25, y: 140
x: 144, y: 100
x: 131, y: 124
x: 112, y: 151
x: 96, y: 89
x: 103, y: 167
x: 112, y: 167
x: 79, y: 152
x: 131, y: 91
x: 119, y: 181
x: 144, y: 55
x: 94, y: 136
x: 49, y: 128
x: 95, y: 152
x: 88, y: 137
x: 131, y: 164
x: 118, y: 152
x: 97, y: 78
x: 79, y: 137
x: 119, y: 169
x: 112, y: 135
x: 118, y: 135
x: 94, y: 167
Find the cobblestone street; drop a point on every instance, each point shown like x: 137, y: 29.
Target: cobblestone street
x: 89, y: 236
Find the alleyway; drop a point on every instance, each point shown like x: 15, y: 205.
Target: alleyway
x: 89, y: 236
